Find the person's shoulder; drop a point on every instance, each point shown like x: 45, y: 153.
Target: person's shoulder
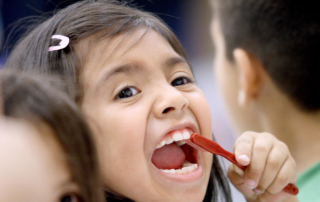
x: 308, y: 184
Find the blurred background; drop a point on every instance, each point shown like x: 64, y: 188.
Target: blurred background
x: 190, y: 21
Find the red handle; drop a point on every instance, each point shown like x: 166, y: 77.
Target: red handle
x: 215, y: 148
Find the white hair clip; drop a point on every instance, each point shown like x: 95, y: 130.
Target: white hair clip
x: 63, y: 43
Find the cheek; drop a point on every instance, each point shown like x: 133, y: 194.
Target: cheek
x: 224, y: 80
x: 227, y: 81
x: 241, y: 118
x: 201, y: 110
x: 120, y: 139
x: 120, y: 133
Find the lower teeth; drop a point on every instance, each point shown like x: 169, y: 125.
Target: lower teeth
x: 187, y: 167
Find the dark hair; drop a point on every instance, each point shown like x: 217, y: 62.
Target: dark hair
x: 284, y: 35
x: 25, y: 97
x: 104, y: 19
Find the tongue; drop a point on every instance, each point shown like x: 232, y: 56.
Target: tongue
x: 168, y: 157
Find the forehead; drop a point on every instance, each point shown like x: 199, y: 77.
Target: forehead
x: 122, y: 46
x: 144, y: 47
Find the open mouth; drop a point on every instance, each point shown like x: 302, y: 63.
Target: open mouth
x: 174, y: 156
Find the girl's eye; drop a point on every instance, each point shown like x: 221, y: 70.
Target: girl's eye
x: 181, y: 81
x: 127, y: 92
x: 71, y: 198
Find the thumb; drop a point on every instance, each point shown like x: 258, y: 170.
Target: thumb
x: 238, y: 181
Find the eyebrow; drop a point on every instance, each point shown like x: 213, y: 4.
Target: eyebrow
x: 174, y: 61
x: 130, y: 68
x: 126, y: 68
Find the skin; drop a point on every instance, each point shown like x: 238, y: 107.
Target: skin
x: 33, y: 166
x: 248, y: 91
x: 128, y: 130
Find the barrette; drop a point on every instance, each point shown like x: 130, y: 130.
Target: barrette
x: 199, y: 142
x: 63, y: 43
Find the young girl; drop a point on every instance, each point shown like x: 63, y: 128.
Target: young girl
x: 131, y: 77
x: 46, y: 149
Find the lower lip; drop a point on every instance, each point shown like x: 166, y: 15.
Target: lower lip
x: 193, y: 176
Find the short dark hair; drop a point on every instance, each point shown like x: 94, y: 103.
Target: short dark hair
x: 284, y: 35
x: 31, y: 99
x: 107, y: 19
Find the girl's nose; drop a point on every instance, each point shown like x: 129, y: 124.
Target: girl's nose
x: 170, y: 101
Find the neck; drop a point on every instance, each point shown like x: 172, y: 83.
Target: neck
x: 298, y: 129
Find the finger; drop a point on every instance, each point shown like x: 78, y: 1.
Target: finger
x: 280, y: 197
x: 286, y: 175
x: 243, y: 148
x: 238, y: 182
x: 235, y: 178
x: 291, y: 198
x: 238, y: 170
x: 260, y: 153
x: 276, y: 159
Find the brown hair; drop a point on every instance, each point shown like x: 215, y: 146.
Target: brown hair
x: 32, y: 99
x: 104, y: 19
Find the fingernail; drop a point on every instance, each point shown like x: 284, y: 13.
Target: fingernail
x: 257, y: 191
x: 251, y: 184
x: 244, y: 157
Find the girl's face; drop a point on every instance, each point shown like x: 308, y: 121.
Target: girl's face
x: 140, y: 94
x: 33, y: 166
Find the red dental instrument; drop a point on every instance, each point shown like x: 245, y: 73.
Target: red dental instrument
x: 199, y: 141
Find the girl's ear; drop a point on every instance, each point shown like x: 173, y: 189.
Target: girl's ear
x: 250, y: 71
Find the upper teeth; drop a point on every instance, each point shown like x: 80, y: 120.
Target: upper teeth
x: 177, y: 136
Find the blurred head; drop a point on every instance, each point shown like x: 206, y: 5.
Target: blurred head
x: 47, y: 151
x: 266, y: 50
x: 130, y: 75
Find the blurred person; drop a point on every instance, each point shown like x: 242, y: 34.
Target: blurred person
x: 46, y: 149
x: 267, y: 67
